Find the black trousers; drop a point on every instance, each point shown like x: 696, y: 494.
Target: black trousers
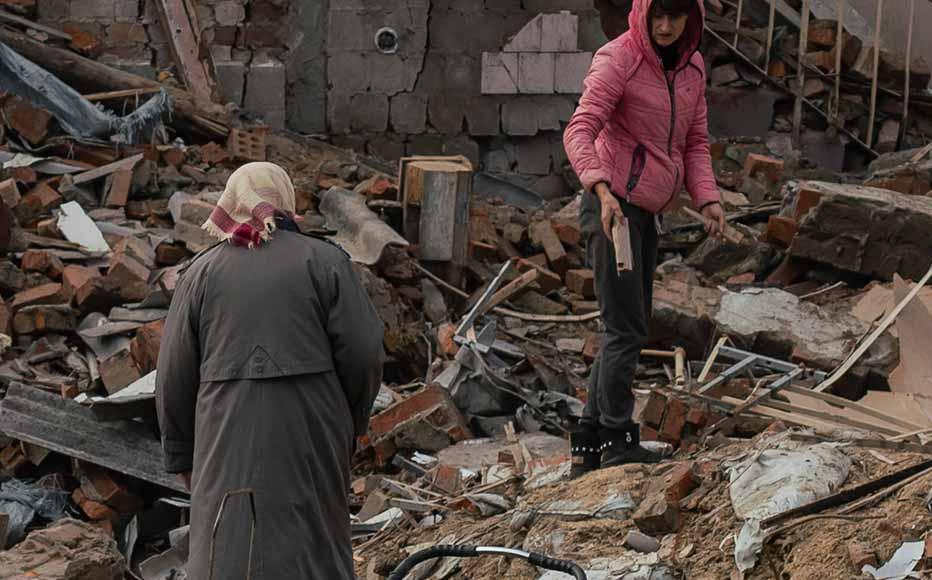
x: 625, y: 301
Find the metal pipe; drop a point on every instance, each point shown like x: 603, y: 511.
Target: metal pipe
x: 801, y: 74
x: 878, y: 24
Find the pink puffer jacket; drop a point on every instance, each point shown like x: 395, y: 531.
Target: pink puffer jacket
x: 640, y: 129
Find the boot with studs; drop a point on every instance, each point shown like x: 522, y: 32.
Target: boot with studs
x: 585, y: 451
x: 623, y: 446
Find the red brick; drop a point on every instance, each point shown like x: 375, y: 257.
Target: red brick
x: 756, y: 164
x: 42, y: 199
x: 98, y: 294
x: 591, y: 347
x: 75, y: 277
x: 741, y: 279
x: 45, y: 294
x: 805, y: 201
x: 680, y: 482
x: 117, y: 188
x: 82, y: 41
x: 698, y: 416
x: 145, y: 346
x: 447, y: 479
x: 95, y: 511
x: 548, y: 280
x: 429, y: 412
x: 378, y: 187
x: 777, y: 69
x: 538, y: 260
x: 657, y: 516
x: 781, y: 230
x: 543, y: 235
x: 861, y: 554
x: 213, y: 154
x: 102, y: 485
x: 44, y: 262
x: 649, y: 434
x: 130, y: 276
x: 29, y: 121
x: 119, y: 371
x: 654, y: 409
x: 24, y: 175
x: 9, y: 193
x: 674, y: 421
x: 174, y: 156
x: 445, y: 334
x: 44, y: 318
x: 568, y: 233
x: 581, y: 282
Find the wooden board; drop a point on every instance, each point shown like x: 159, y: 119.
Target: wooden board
x: 195, y: 65
x: 914, y: 327
x: 436, y: 207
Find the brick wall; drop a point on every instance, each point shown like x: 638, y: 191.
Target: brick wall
x: 313, y: 66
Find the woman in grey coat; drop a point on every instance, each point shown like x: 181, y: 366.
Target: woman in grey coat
x: 270, y: 362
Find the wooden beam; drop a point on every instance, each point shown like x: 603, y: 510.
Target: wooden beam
x: 770, y: 28
x: 801, y: 75
x: 105, y: 170
x: 845, y: 403
x: 195, y: 65
x: 124, y: 94
x: 19, y: 21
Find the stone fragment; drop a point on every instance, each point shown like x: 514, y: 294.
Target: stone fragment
x: 119, y: 371
x: 657, y: 516
x: 45, y: 318
x: 66, y: 550
x: 145, y: 346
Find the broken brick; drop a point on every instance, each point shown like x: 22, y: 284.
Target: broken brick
x: 762, y: 164
x: 9, y: 193
x: 591, y: 347
x: 145, y: 345
x: 41, y: 200
x: 581, y: 282
x: 130, y: 276
x: 568, y: 233
x: 782, y: 230
x: 32, y: 123
x: 119, y: 371
x: 378, y: 187
x: 174, y: 156
x: 170, y: 254
x: 117, y: 188
x: 649, y: 434
x: 45, y: 294
x: 548, y: 281
x: 742, y: 279
x: 654, y: 409
x: 447, y: 479
x: 44, y: 262
x: 75, y: 277
x: 445, y: 343
x: 657, y: 516
x: 95, y: 511
x: 24, y: 175
x: 698, y: 416
x: 247, y: 145
x: 45, y: 318
x: 83, y: 41
x: 100, y: 484
x: 543, y: 236
x: 680, y: 482
x: 213, y: 154
x: 674, y: 421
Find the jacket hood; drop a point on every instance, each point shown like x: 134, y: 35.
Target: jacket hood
x: 688, y: 43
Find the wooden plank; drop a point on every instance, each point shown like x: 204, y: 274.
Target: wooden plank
x: 105, y: 170
x: 122, y: 94
x: 738, y: 21
x: 881, y: 328
x: 840, y: 419
x: 842, y: 402
x: 801, y: 74
x: 510, y: 289
x: 19, y: 21
x: 711, y: 360
x: 914, y: 329
x: 621, y: 240
x: 195, y: 65
x: 730, y: 233
x: 875, y: 80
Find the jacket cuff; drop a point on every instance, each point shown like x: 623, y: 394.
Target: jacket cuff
x: 591, y: 177
x: 707, y: 197
x: 179, y: 456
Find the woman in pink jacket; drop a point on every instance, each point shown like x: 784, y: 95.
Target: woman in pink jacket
x: 637, y: 138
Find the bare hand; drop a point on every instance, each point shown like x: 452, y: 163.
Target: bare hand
x: 611, y: 209
x: 715, y: 226
x: 185, y: 479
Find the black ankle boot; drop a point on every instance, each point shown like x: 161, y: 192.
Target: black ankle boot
x: 620, y: 447
x: 585, y: 452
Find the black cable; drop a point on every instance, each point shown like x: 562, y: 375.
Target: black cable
x: 450, y: 551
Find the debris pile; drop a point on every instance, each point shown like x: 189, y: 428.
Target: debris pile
x: 796, y: 342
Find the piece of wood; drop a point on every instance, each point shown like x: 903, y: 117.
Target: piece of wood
x: 914, y: 328
x: 543, y: 235
x: 875, y: 78
x: 510, y: 289
x: 621, y: 239
x: 105, y: 170
x: 854, y: 406
x: 19, y: 21
x: 904, y: 124
x: 122, y: 94
x: 730, y: 233
x: 881, y: 328
x: 117, y: 189
x: 906, y: 436
x: 801, y: 73
x: 848, y: 495
x: 74, y: 69
x: 792, y: 417
x: 835, y: 418
x: 435, y: 196
x: 711, y: 360
x: 192, y: 57
x: 892, y: 444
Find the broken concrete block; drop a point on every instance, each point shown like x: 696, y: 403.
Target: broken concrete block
x: 536, y: 73
x: 66, y: 550
x: 130, y: 276
x: 657, y: 516
x: 581, y: 282
x: 119, y: 371
x: 528, y: 39
x: 871, y: 231
x: 559, y: 32
x: 720, y: 261
x: 45, y: 318
x: 44, y: 262
x: 640, y: 542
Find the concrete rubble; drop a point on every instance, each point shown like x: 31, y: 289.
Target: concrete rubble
x: 778, y: 352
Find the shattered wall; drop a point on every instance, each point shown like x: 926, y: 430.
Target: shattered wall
x: 315, y: 67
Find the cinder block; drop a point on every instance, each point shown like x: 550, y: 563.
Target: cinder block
x: 369, y: 112
x: 535, y: 73
x: 483, y: 116
x: 392, y: 73
x: 232, y: 78
x: 92, y: 9
x: 553, y: 112
x: 409, y: 113
x: 387, y: 146
x: 349, y: 30
x: 570, y: 71
x: 519, y: 117
x: 265, y: 92
x: 229, y: 13
x: 559, y: 32
x: 348, y: 72
x: 463, y: 73
x: 528, y: 39
x: 499, y: 73
x: 126, y: 10
x: 496, y: 161
x: 307, y: 109
x: 426, y: 144
x: 54, y: 10
x: 533, y: 155
x: 462, y: 145
x: 447, y: 112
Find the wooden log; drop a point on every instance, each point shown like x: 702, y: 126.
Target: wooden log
x: 83, y: 72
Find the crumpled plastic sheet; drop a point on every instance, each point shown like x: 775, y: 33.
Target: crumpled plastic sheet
x: 777, y: 480
x: 24, y: 501
x: 76, y: 115
x: 901, y: 565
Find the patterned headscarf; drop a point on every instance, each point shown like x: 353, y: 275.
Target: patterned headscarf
x: 256, y: 194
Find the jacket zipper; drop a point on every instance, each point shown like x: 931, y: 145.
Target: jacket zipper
x: 638, y: 163
x: 671, y: 88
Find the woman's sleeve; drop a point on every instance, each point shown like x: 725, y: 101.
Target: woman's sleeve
x: 700, y: 179
x: 178, y: 378
x: 603, y: 89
